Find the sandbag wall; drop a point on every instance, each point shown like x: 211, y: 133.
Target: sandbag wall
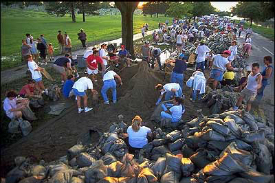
x: 228, y: 147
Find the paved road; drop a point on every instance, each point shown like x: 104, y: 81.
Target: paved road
x: 10, y: 75
x: 261, y: 47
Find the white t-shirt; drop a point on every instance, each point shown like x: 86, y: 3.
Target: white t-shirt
x: 143, y: 30
x: 220, y: 62
x: 177, y: 112
x: 248, y: 40
x: 201, y: 33
x: 179, y: 39
x: 102, y: 53
x: 109, y: 75
x: 35, y: 74
x: 138, y: 139
x: 87, y: 53
x: 201, y: 51
x: 83, y: 84
x: 8, y: 105
x: 234, y: 52
x: 169, y: 86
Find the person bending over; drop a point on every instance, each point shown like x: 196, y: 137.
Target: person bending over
x: 170, y: 89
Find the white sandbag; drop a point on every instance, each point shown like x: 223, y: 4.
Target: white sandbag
x: 13, y: 126
x: 26, y: 127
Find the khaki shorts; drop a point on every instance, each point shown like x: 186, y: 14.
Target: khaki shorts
x: 248, y: 95
x: 89, y: 71
x: 59, y: 69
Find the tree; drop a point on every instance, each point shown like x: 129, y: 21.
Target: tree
x: 148, y: 8
x: 202, y: 8
x: 57, y: 8
x: 127, y: 10
x: 73, y: 12
x: 156, y: 7
x: 180, y: 10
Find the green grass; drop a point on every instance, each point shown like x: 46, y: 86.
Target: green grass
x: 264, y: 31
x: 16, y: 23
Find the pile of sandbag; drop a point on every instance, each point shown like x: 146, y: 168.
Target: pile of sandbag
x: 218, y: 43
x: 227, y: 147
x: 221, y: 99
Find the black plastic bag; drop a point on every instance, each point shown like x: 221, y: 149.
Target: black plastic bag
x: 15, y: 175
x: 263, y: 159
x: 176, y: 145
x: 108, y: 159
x: 186, y: 151
x: 170, y: 177
x: 84, y: 160
x: 234, y: 128
x: 160, y: 150
x: 241, y: 180
x: 194, y: 122
x: 256, y: 176
x: 74, y: 151
x: 236, y: 118
x: 218, y: 128
x: 158, y: 142
x: 194, y: 142
x: 200, y: 159
x: 210, y: 135
x: 242, y: 145
x: 173, y: 163
x: 250, y: 120
x: 187, y: 167
x: 250, y: 137
x: 159, y: 167
x: 217, y: 145
x: 96, y: 172
x: 219, y: 179
x: 174, y: 135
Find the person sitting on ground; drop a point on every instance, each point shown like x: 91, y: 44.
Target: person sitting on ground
x: 13, y: 107
x: 169, y: 89
x: 177, y: 75
x: 109, y: 82
x: 36, y: 75
x: 175, y: 112
x: 61, y: 64
x: 249, y: 93
x: 28, y: 90
x: 79, y: 88
x: 138, y: 135
x: 92, y: 64
x: 156, y: 56
x: 124, y: 56
x: 67, y: 89
x: 228, y: 78
x: 199, y: 85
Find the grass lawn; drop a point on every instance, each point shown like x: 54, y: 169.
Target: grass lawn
x: 16, y: 23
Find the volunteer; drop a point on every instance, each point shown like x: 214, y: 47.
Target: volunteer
x: 170, y: 89
x: 175, y: 112
x: 201, y: 51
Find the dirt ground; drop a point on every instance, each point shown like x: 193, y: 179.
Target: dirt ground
x: 137, y: 96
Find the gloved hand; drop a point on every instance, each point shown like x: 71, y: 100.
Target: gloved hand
x: 158, y: 101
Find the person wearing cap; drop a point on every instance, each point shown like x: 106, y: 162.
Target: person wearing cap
x: 228, y: 78
x: 61, y: 64
x: 201, y: 51
x: 123, y: 55
x: 103, y: 53
x: 82, y: 37
x: 177, y: 75
x: 249, y: 93
x: 220, y: 64
x: 156, y: 56
x: 170, y: 90
x: 145, y: 51
x: 110, y: 83
x: 79, y: 88
x: 92, y: 64
x: 234, y: 51
x: 61, y: 43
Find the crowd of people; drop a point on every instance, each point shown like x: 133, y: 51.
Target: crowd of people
x: 98, y: 61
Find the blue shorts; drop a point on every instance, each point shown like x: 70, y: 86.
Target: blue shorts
x: 38, y: 79
x: 216, y: 74
x: 77, y: 93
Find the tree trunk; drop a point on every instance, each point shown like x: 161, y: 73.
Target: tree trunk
x: 73, y: 13
x: 251, y: 21
x: 83, y: 11
x: 157, y: 15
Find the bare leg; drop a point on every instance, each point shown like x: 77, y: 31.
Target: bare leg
x: 41, y: 85
x: 85, y: 101
x: 239, y: 102
x: 248, y: 107
x: 78, y: 101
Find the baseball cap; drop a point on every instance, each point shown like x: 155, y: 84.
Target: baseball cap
x: 227, y: 52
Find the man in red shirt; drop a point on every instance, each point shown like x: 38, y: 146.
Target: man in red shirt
x: 92, y: 64
x: 28, y: 89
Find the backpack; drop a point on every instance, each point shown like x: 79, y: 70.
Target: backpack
x: 54, y: 92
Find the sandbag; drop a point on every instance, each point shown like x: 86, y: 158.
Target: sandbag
x: 187, y: 167
x: 74, y: 151
x: 219, y: 179
x: 218, y: 128
x: 242, y: 156
x: 256, y: 176
x: 114, y: 169
x: 227, y: 113
x: 264, y: 159
x: 19, y: 160
x: 234, y: 128
x: 236, y: 118
x: 159, y: 166
x: 191, y: 131
x: 176, y: 145
x: 28, y: 114
x: 217, y: 145
x: 200, y: 159
x: 160, y: 150
x: 15, y: 175
x: 241, y: 180
x: 96, y: 172
x: 31, y: 179
x: 14, y: 126
x: 76, y: 180
x: 250, y: 137
x: 129, y: 166
x: 118, y: 148
x: 170, y: 177
x: 57, y: 168
x: 159, y: 134
x: 158, y: 142
x: 242, y: 145
x: 148, y: 174
x: 39, y: 171
x: 226, y: 165
x: 188, y: 180
x: 173, y: 163
x: 250, y: 120
x: 194, y: 122
x: 116, y: 180
x: 186, y: 151
x: 210, y: 135
x: 84, y: 160
x: 25, y: 127
x: 54, y: 92
x: 147, y: 149
x: 194, y: 142
x: 108, y: 159
x: 36, y: 103
x: 62, y: 177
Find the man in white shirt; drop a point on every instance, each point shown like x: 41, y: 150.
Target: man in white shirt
x: 199, y: 85
x: 36, y: 75
x: 170, y: 89
x: 220, y: 65
x: 109, y: 82
x: 201, y: 51
x: 103, y: 54
x: 79, y: 88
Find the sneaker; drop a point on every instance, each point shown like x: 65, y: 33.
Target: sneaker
x: 106, y: 102
x: 87, y: 109
x: 79, y: 111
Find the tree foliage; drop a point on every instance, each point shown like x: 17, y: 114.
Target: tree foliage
x: 155, y: 7
x: 180, y: 10
x: 202, y: 8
